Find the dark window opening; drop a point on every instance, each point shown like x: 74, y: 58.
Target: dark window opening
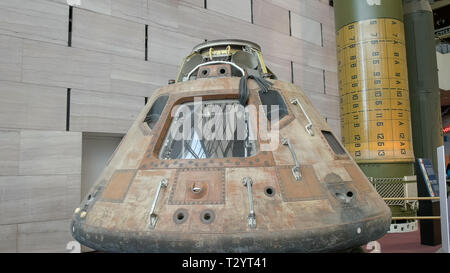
x: 155, y: 111
x: 270, y: 99
x: 334, y: 143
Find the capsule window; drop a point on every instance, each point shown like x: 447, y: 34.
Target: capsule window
x: 217, y: 129
x: 334, y: 143
x: 272, y: 99
x: 155, y: 111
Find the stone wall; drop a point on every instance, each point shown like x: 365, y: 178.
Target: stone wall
x: 89, y: 68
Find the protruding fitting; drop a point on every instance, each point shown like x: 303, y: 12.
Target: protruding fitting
x: 251, y: 218
x: 196, y: 190
x: 247, y: 180
x: 164, y: 183
x: 83, y: 214
x: 309, y: 126
x: 77, y: 210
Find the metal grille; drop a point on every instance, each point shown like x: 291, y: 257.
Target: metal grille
x: 391, y: 188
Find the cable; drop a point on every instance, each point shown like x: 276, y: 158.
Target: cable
x: 263, y: 84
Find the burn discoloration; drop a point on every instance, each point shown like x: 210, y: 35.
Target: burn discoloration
x: 312, y: 215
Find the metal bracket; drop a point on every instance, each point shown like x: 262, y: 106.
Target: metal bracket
x: 308, y: 126
x: 251, y: 218
x: 215, y: 62
x: 153, y: 216
x: 296, y: 169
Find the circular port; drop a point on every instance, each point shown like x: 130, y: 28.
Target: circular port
x: 207, y: 216
x: 205, y: 72
x: 180, y: 216
x: 269, y: 191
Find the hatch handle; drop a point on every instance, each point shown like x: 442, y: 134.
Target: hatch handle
x: 309, y: 126
x: 153, y: 216
x: 296, y: 169
x: 251, y: 218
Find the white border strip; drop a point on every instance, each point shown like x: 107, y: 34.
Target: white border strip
x: 443, y: 201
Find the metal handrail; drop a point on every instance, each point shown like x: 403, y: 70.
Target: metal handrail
x: 414, y: 217
x: 417, y: 218
x: 153, y: 216
x: 410, y: 198
x: 308, y: 126
x: 296, y: 169
x: 251, y: 218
